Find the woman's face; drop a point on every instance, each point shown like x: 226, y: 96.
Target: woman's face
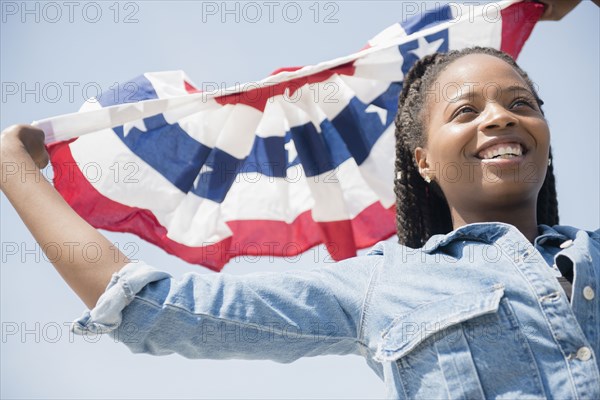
x: 487, y: 140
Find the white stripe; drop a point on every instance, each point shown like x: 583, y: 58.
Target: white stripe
x: 230, y: 128
x: 68, y: 126
x: 315, y: 102
x: 384, y: 65
x: 273, y: 122
x: 484, y: 29
x: 365, y: 89
x: 340, y: 194
x: 389, y: 34
x: 257, y: 196
x: 125, y: 177
x: 203, y: 125
x: 378, y: 168
x: 167, y: 83
x: 236, y: 135
x: 197, y: 222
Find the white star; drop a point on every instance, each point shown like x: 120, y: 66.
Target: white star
x: 204, y: 170
x: 139, y: 124
x: 426, y: 48
x: 291, y: 151
x: 381, y: 112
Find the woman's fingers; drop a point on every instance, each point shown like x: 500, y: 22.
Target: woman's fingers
x: 32, y: 140
x: 557, y: 9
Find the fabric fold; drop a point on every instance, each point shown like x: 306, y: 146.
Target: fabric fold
x: 106, y: 316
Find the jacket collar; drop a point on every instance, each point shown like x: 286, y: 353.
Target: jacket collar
x: 488, y: 232
x: 548, y: 234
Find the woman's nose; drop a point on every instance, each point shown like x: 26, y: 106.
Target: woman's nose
x: 496, y: 116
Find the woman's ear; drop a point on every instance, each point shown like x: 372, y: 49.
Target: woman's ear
x: 421, y: 158
x: 422, y: 164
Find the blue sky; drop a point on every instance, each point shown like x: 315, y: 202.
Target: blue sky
x: 95, y: 45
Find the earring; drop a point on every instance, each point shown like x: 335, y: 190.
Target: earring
x: 549, y: 162
x: 425, y: 174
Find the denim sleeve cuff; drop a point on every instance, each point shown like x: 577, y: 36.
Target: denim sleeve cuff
x: 124, y: 285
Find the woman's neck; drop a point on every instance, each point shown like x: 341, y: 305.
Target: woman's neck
x: 524, y: 218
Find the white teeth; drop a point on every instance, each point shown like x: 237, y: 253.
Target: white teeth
x: 502, y: 151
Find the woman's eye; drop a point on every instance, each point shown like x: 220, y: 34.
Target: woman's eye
x: 521, y: 102
x: 464, y: 110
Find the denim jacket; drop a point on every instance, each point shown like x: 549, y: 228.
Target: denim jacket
x: 477, y: 313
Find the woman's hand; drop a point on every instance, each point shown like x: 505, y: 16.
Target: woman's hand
x: 18, y: 145
x: 557, y: 9
x: 32, y: 140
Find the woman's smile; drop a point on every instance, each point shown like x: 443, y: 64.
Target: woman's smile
x: 504, y: 152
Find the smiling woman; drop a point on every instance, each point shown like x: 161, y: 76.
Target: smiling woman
x: 473, y: 122
x: 482, y: 324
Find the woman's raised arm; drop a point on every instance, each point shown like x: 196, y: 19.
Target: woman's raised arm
x: 53, y: 223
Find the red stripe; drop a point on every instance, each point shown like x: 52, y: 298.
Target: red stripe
x: 249, y: 237
x: 256, y: 95
x: 518, y: 21
x: 190, y: 88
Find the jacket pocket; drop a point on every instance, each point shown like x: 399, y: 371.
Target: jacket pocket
x: 407, y: 331
x: 466, y: 346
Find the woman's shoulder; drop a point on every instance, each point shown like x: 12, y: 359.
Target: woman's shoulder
x: 571, y: 232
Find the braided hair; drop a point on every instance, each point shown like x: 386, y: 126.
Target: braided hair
x: 421, y: 208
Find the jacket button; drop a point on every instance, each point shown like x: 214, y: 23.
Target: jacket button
x: 584, y: 353
x: 566, y: 244
x: 588, y: 293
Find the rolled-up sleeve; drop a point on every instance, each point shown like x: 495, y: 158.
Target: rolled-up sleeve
x: 278, y: 316
x: 106, y: 316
